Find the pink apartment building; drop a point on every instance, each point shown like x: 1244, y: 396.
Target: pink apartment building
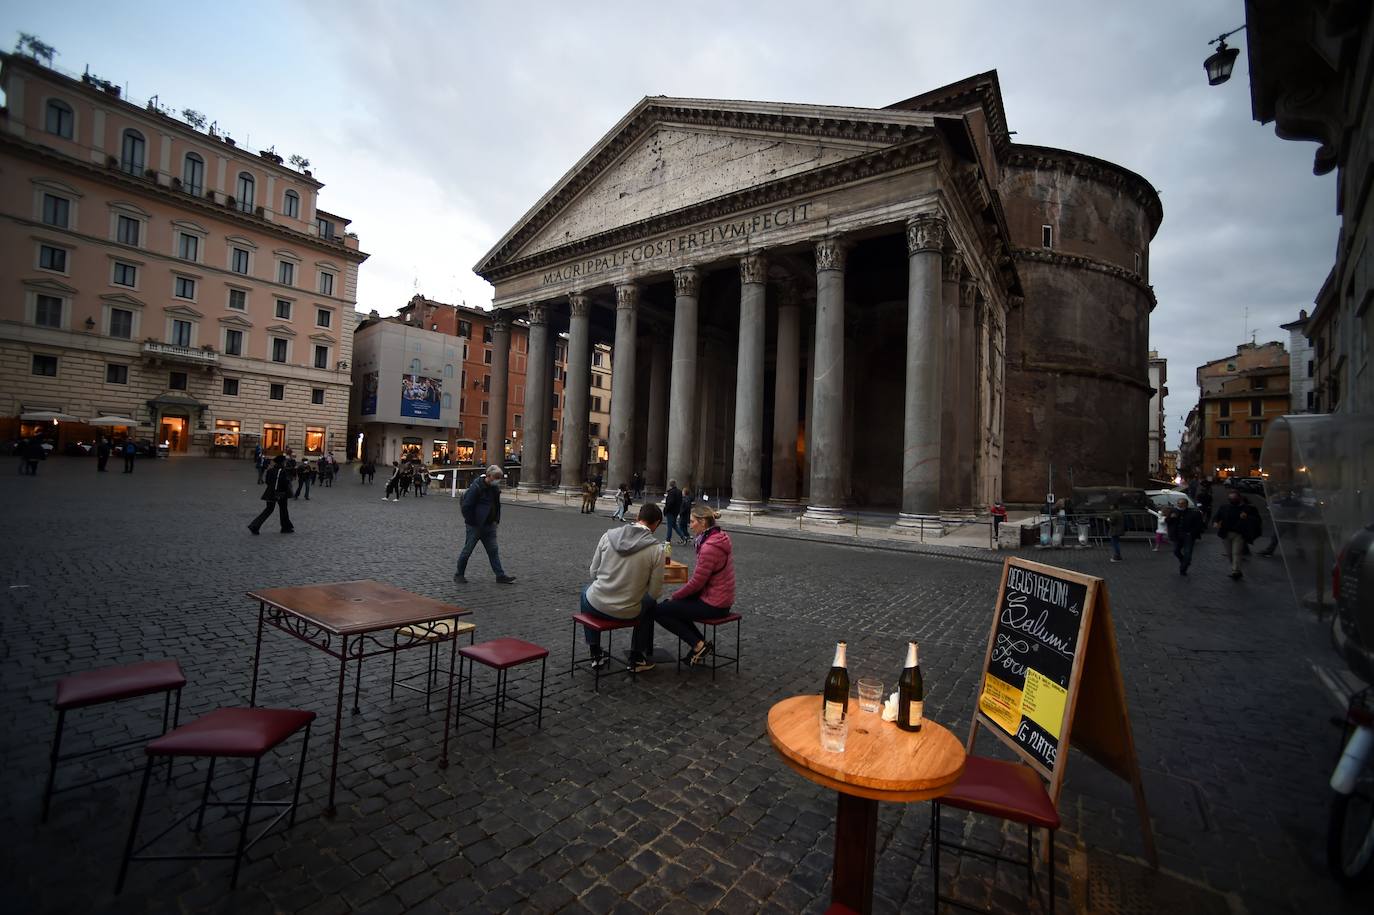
x: 152, y: 270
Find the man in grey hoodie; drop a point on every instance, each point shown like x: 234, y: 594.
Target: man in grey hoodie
x: 627, y: 580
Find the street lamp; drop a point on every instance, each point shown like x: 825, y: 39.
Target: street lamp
x: 1221, y: 62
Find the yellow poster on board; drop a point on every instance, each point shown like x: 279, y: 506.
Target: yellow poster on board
x: 1001, y: 702
x: 1043, y: 702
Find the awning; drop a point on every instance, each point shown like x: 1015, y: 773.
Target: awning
x: 47, y: 416
x: 113, y: 421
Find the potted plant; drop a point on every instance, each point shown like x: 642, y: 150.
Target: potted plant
x: 150, y: 173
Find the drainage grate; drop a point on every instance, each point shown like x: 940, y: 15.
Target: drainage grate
x: 1119, y: 887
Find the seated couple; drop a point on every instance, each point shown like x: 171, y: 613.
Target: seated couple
x: 627, y: 580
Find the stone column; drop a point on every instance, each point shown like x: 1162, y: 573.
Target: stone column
x: 925, y: 236
x: 656, y: 448
x: 622, y: 438
x: 682, y: 426
x: 787, y: 364
x: 498, y: 408
x: 952, y: 270
x: 576, y: 392
x: 827, y: 399
x: 746, y: 476
x: 534, y: 455
x: 965, y: 420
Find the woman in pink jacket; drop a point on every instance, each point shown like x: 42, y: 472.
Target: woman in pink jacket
x: 710, y: 592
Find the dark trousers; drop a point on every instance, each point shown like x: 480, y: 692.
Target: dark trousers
x: 279, y: 503
x: 641, y: 642
x: 487, y: 537
x: 303, y: 484
x: 1183, y: 551
x: 129, y: 464
x: 678, y: 616
x: 673, y: 529
x: 100, y: 461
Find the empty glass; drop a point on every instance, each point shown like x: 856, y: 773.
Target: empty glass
x: 833, y: 734
x: 870, y: 694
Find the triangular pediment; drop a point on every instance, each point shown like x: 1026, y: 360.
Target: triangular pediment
x: 281, y: 330
x: 235, y: 321
x: 122, y: 299
x: 673, y: 154
x: 182, y: 311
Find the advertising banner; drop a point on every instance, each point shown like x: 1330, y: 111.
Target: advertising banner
x: 420, y: 396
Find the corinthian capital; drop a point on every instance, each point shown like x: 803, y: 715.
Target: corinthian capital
x: 925, y: 232
x: 626, y: 296
x: 579, y: 304
x: 687, y: 281
x: 500, y: 322
x: 830, y: 253
x: 952, y: 266
x: 537, y: 313
x: 753, y: 268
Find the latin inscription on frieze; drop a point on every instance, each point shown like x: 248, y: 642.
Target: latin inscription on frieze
x: 684, y: 244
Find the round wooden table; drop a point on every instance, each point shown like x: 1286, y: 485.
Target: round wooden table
x: 880, y: 762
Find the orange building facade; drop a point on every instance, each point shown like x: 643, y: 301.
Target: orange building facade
x: 1240, y: 396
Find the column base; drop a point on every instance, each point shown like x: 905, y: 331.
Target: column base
x: 531, y: 488
x: 790, y: 506
x: 822, y: 514
x: 917, y: 523
x: 958, y: 515
x: 570, y: 490
x: 747, y: 506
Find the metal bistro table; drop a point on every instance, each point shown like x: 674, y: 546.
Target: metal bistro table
x: 880, y: 762
x: 352, y: 612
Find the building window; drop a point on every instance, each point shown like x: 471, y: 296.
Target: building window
x: 126, y: 231
x: 486, y: 357
x: 484, y: 432
x: 594, y: 430
x: 1223, y: 429
x: 273, y: 437
x: 121, y: 323
x: 233, y: 343
x: 596, y: 404
x: 317, y: 396
x: 314, y: 440
x: 238, y: 299
x: 448, y: 402
x: 177, y: 381
x: 50, y: 258
x: 131, y: 153
x: 181, y: 332
x: 1137, y: 263
x: 1225, y: 408
x: 448, y: 371
x: 188, y: 247
x: 1047, y: 236
x: 231, y: 387
x: 465, y: 329
x: 321, y: 357
x: 415, y: 366
x: 276, y: 392
x: 60, y: 118
x: 286, y: 273
x: 291, y: 205
x: 486, y: 408
x: 325, y: 227
x: 284, y: 309
x: 238, y: 261
x: 47, y: 311
x: 45, y: 365
x: 125, y: 274
x: 278, y: 349
x: 322, y: 317
x: 56, y: 210
x: 227, y: 432
x: 116, y: 374
x: 596, y: 359
x: 245, y: 188
x: 193, y: 174
x: 185, y: 287
x: 326, y: 284
x: 1257, y: 428
x: 1311, y: 400
x: 517, y: 424
x: 486, y: 384
x: 596, y: 381
x: 1259, y: 383
x: 486, y: 334
x: 1310, y: 368
x: 1256, y: 407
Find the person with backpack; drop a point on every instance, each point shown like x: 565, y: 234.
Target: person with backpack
x: 129, y: 452
x: 276, y: 495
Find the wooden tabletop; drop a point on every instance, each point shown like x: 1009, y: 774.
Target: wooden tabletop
x: 880, y: 761
x: 675, y: 573
x: 351, y: 607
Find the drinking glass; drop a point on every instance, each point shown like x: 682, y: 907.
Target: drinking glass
x: 833, y: 734
x: 870, y: 694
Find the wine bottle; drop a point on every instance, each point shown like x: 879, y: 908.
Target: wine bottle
x: 911, y: 692
x: 836, y: 696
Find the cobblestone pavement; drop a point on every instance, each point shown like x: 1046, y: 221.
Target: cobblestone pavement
x: 657, y: 795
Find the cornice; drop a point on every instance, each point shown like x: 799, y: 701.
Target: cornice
x: 1079, y: 262
x: 924, y: 148
x: 113, y: 176
x: 1081, y: 371
x: 1099, y: 170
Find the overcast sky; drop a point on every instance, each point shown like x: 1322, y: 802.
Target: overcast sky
x: 435, y: 126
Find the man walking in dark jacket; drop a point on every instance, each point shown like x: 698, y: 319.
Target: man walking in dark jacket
x: 672, y: 506
x: 276, y: 494
x: 481, y: 515
x: 1185, y: 528
x: 1238, y: 523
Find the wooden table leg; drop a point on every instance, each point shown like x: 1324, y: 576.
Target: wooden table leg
x: 856, y: 846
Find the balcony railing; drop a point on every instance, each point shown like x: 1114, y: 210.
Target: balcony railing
x: 176, y: 353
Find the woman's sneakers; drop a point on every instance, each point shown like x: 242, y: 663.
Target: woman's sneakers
x: 700, y: 652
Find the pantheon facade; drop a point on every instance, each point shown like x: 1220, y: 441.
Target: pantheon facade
x: 837, y: 310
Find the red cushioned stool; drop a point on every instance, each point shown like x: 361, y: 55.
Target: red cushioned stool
x: 717, y: 659
x: 242, y: 733
x: 598, y: 624
x: 1009, y: 790
x: 500, y: 655
x: 112, y: 684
